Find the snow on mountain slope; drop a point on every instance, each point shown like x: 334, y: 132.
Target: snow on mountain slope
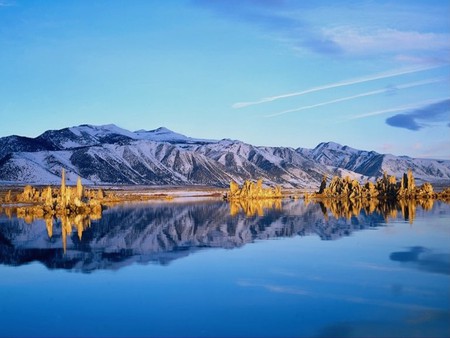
x: 89, y: 135
x: 41, y: 167
x: 423, y: 169
x: 84, y: 136
x: 14, y: 143
x: 163, y: 134
x: 274, y: 164
x: 333, y: 154
x: 373, y: 164
x: 109, y: 154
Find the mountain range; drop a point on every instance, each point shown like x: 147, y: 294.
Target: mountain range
x: 108, y: 154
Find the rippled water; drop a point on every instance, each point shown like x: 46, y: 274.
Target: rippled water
x: 205, y: 268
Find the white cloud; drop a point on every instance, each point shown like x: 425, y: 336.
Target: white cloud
x: 354, y: 41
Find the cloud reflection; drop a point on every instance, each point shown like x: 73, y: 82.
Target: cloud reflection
x: 423, y: 259
x: 296, y: 291
x: 423, y: 323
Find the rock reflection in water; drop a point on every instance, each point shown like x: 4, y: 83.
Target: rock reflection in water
x: 68, y: 222
x: 254, y: 207
x: 162, y: 232
x: 348, y: 208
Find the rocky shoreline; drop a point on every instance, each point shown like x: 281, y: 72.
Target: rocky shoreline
x: 386, y: 188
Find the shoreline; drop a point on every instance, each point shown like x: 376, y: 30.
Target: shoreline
x: 142, y: 193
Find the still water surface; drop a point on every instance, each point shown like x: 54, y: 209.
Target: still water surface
x: 204, y: 268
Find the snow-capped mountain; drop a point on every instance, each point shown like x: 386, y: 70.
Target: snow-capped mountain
x: 112, y: 155
x: 373, y: 164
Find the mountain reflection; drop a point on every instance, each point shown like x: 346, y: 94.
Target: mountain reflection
x: 161, y: 232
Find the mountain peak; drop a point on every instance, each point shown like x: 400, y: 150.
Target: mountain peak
x: 329, y: 145
x: 161, y: 134
x: 162, y: 130
x: 333, y: 146
x: 101, y: 129
x: 88, y: 135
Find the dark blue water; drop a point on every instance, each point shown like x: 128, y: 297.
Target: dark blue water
x: 192, y: 269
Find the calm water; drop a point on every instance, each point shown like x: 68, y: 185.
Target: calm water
x: 201, y: 269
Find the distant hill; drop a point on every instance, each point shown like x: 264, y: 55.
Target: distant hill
x: 112, y: 155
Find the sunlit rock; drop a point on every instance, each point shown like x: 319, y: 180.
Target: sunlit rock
x: 385, y: 188
x: 252, y: 190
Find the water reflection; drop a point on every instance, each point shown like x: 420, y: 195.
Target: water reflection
x: 423, y: 259
x: 80, y: 222
x: 426, y: 323
x: 349, y: 208
x: 162, y: 232
x: 254, y: 207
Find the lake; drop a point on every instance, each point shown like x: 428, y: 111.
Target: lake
x: 208, y: 268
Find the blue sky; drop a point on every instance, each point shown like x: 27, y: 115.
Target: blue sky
x: 373, y: 75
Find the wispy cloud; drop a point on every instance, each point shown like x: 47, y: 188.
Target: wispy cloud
x: 402, y: 108
x: 374, y: 77
x: 5, y: 3
x: 301, y: 24
x: 419, y: 118
x: 370, y: 93
x: 386, y: 40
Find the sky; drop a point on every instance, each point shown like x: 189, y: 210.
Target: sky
x: 373, y: 75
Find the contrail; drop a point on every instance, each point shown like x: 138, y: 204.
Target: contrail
x: 373, y: 92
x: 379, y: 76
x: 400, y: 108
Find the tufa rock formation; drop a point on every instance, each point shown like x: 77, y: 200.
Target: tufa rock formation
x: 252, y: 190
x: 57, y: 202
x: 385, y: 188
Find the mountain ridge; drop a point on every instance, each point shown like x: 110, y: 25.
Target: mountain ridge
x: 108, y: 154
